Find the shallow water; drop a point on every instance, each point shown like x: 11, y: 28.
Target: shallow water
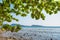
x: 37, y: 34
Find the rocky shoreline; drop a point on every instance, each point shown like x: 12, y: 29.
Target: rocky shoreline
x: 26, y: 34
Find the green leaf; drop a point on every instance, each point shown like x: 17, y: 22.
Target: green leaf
x: 23, y: 15
x: 32, y: 15
x: 42, y: 16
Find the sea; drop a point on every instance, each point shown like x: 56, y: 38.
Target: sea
x: 37, y: 33
x: 48, y: 27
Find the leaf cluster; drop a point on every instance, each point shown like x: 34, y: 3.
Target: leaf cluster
x: 24, y: 7
x: 7, y: 27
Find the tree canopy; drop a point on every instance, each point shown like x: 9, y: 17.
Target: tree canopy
x: 24, y: 7
x: 7, y: 27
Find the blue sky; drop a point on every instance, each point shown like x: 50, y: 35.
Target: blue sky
x: 50, y: 20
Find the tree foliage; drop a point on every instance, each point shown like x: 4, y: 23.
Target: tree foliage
x: 24, y: 7
x: 7, y: 27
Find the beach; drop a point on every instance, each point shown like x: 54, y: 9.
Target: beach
x: 35, y: 34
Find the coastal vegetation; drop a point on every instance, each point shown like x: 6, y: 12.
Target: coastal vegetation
x: 24, y: 7
x: 7, y: 27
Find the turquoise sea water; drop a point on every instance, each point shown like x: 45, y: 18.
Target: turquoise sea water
x: 43, y: 27
x: 37, y: 26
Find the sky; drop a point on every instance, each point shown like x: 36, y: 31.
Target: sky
x: 50, y: 20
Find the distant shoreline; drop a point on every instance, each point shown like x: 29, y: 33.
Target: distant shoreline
x: 40, y: 27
